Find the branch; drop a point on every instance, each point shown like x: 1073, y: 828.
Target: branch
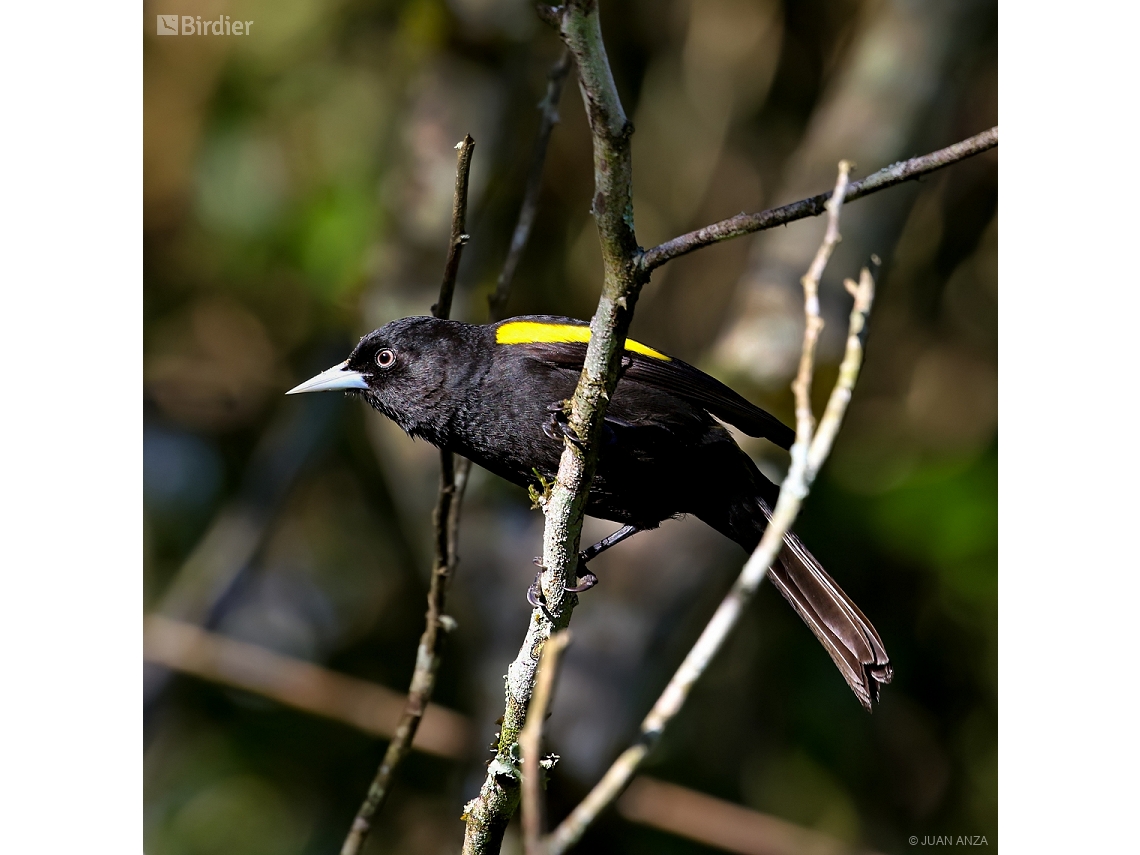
x: 530, y: 741
x: 487, y: 814
x: 497, y: 302
x: 446, y: 519
x: 743, y: 224
x: 721, y: 824
x: 807, y: 455
x: 459, y: 237
x: 369, y: 707
x: 375, y: 710
x: 813, y: 326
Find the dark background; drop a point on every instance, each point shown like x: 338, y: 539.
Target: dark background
x: 297, y: 194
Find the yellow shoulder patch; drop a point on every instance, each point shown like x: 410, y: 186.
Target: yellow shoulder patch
x: 537, y: 332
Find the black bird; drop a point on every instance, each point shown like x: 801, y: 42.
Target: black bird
x: 494, y: 394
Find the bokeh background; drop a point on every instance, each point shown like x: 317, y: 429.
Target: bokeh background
x: 298, y: 189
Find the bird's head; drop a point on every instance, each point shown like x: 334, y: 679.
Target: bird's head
x: 401, y: 369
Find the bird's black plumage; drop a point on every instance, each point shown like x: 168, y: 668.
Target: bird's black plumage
x: 485, y: 392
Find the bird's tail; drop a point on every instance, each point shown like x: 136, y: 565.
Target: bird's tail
x: 837, y: 622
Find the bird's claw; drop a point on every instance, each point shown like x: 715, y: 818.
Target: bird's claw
x: 535, y: 598
x: 534, y: 592
x: 558, y: 426
x: 585, y: 582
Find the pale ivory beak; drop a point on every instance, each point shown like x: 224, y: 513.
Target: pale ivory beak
x: 337, y: 377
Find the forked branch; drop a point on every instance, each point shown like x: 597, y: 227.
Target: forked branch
x: 487, y: 814
x: 626, y: 269
x: 810, y: 449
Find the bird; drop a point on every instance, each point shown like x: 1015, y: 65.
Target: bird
x: 496, y: 393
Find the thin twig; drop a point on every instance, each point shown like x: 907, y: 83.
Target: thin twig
x: 530, y: 742
x: 452, y: 481
x: 459, y: 237
x: 807, y: 454
x: 743, y: 224
x: 864, y: 293
x: 548, y: 106
x: 487, y: 814
x: 813, y: 323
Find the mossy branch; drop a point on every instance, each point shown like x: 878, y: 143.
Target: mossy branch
x: 578, y: 23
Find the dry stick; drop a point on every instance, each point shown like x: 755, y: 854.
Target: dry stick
x: 530, y: 741
x: 807, y: 455
x: 721, y: 824
x: 487, y: 814
x: 813, y: 326
x: 459, y: 237
x: 497, y: 302
x: 743, y: 224
x: 446, y: 519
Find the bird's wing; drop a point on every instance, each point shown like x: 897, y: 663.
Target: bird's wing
x: 695, y: 386
x: 555, y: 341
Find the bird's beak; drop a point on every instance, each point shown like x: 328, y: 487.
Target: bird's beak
x: 337, y: 377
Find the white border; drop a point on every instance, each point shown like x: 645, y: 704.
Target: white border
x: 71, y: 427
x: 1069, y: 311
x: 70, y: 353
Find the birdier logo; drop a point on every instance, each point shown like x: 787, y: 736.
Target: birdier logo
x: 193, y: 25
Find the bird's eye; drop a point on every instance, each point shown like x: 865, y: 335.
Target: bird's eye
x: 385, y: 358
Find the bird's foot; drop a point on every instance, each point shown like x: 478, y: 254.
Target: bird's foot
x: 586, y: 579
x: 558, y: 425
